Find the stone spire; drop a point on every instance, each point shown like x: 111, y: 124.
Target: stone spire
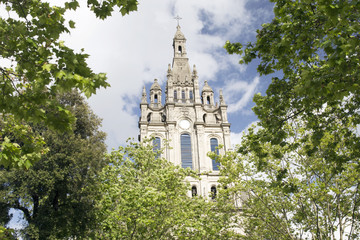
x: 222, y: 100
x: 143, y: 98
x: 181, y: 70
x: 194, y: 71
x: 179, y: 35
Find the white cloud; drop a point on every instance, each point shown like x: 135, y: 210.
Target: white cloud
x: 236, y: 138
x: 239, y: 93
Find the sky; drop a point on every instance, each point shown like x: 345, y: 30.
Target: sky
x: 135, y: 49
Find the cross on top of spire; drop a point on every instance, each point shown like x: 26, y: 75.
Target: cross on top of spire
x: 178, y: 19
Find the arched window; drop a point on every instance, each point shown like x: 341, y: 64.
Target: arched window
x: 179, y: 49
x: 213, y: 146
x: 183, y: 96
x: 148, y: 117
x: 193, y: 191
x: 204, y: 118
x: 155, y: 98
x: 208, y: 100
x: 213, y: 192
x: 175, y: 94
x: 191, y: 94
x: 186, y: 155
x: 157, y: 146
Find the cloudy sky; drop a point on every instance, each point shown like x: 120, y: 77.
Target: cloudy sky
x: 135, y: 49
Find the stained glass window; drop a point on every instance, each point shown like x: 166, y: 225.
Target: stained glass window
x: 186, y: 155
x: 157, y: 146
x: 213, y: 146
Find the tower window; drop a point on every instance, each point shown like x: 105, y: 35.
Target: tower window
x: 213, y: 146
x: 186, y: 155
x: 213, y: 192
x: 193, y: 191
x: 175, y: 94
x: 208, y: 100
x: 149, y: 117
x: 191, y: 94
x: 156, y: 98
x: 157, y: 146
x: 179, y: 49
x: 183, y: 94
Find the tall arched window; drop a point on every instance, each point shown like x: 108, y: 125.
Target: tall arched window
x: 186, y: 155
x: 208, y: 100
x: 213, y: 146
x: 175, y: 94
x: 183, y: 96
x: 157, y: 146
x: 193, y: 191
x: 191, y: 94
x: 179, y: 49
x: 213, y: 192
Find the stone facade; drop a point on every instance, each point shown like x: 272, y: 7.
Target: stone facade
x: 187, y: 120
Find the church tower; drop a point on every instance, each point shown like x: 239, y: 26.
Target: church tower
x: 189, y: 124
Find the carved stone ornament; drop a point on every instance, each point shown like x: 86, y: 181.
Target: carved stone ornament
x: 185, y: 111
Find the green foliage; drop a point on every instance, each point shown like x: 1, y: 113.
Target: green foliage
x: 142, y: 196
x: 6, y: 234
x: 316, y: 46
x: 37, y: 66
x: 289, y: 193
x: 51, y: 194
x: 20, y: 146
x: 302, y: 160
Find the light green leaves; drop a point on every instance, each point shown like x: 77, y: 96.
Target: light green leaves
x: 20, y: 146
x: 145, y: 197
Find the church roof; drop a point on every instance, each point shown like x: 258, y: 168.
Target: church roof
x: 207, y: 88
x: 179, y: 34
x: 155, y: 85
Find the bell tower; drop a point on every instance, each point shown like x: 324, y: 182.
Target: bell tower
x: 190, y: 122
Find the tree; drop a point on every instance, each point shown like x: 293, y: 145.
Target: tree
x: 308, y: 119
x: 37, y: 66
x: 288, y: 193
x: 51, y: 194
x: 143, y: 196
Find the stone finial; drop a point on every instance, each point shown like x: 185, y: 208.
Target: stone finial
x: 169, y: 68
x: 222, y: 100
x: 143, y: 98
x: 207, y: 88
x: 155, y: 85
x: 194, y: 70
